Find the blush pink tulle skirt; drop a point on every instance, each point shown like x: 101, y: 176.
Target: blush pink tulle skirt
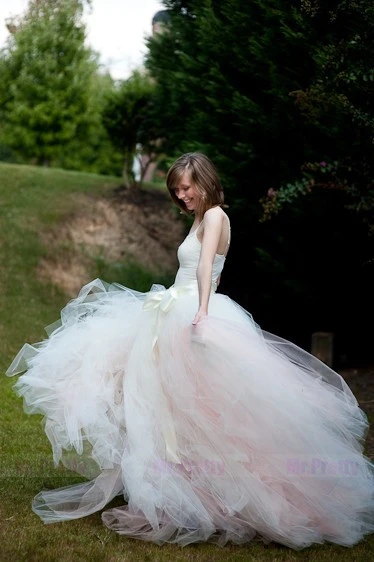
x: 219, y: 432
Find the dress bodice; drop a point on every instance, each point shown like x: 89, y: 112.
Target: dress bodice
x: 188, y: 257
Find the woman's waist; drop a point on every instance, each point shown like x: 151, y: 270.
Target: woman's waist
x: 190, y: 283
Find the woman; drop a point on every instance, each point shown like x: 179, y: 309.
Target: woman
x: 211, y: 428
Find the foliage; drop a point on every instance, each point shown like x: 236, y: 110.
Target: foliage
x: 97, y: 153
x: 337, y: 109
x: 332, y: 176
x: 7, y: 154
x: 126, y: 119
x: 50, y: 88
x: 223, y: 75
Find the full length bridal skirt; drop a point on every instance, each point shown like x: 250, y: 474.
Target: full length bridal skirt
x: 217, y: 433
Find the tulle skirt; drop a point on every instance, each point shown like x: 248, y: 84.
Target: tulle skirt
x: 219, y: 432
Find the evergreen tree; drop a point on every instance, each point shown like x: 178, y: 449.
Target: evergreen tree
x: 224, y: 71
x: 46, y: 91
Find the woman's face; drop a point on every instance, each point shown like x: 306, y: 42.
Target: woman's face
x: 187, y: 192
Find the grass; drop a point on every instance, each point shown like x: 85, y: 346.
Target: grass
x: 32, y: 199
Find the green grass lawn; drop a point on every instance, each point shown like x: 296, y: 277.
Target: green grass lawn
x: 33, y: 199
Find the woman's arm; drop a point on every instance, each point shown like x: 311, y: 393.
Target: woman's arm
x: 213, y: 220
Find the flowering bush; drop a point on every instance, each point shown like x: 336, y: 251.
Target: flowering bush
x: 334, y: 175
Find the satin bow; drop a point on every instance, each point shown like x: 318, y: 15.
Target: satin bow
x: 163, y: 300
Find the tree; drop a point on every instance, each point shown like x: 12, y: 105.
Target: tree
x: 127, y: 121
x: 47, y: 73
x: 223, y: 73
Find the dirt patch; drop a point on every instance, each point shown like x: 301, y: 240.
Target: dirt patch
x: 138, y: 225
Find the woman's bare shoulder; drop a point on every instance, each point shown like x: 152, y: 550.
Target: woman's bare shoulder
x: 215, y: 213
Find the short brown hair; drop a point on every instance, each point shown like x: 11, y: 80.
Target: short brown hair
x: 204, y: 175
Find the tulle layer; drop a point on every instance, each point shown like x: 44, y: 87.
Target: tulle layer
x: 218, y: 432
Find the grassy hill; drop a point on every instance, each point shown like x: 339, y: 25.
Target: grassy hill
x: 32, y: 200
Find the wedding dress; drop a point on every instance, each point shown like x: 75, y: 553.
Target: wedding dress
x: 219, y: 432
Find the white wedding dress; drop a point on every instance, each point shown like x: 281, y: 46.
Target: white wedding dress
x: 219, y: 432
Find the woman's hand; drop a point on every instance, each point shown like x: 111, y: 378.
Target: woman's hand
x: 199, y: 316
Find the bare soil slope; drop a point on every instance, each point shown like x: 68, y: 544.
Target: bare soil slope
x: 139, y: 225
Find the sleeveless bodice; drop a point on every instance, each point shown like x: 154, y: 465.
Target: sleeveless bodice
x: 188, y: 257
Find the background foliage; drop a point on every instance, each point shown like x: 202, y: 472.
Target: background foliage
x: 51, y: 92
